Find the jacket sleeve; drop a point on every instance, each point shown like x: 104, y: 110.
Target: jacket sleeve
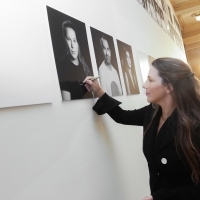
x: 185, y: 192
x: 107, y: 104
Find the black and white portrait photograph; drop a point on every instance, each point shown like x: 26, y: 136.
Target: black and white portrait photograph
x: 128, y: 68
x: 71, y: 53
x: 106, y: 62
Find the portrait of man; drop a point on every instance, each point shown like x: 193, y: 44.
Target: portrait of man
x: 128, y: 68
x: 71, y: 53
x: 106, y: 62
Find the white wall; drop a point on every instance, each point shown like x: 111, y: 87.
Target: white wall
x: 24, y: 77
x: 63, y: 150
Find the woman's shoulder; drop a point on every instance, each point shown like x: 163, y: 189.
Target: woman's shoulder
x: 146, y: 110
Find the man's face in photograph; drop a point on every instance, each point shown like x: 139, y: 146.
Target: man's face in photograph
x: 106, y: 52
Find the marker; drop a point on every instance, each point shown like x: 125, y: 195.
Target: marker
x: 92, y: 79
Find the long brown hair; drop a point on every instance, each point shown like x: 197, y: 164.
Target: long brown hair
x: 186, y: 95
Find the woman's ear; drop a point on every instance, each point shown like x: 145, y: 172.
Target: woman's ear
x: 170, y: 88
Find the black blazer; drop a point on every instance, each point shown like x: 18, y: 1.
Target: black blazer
x: 170, y: 175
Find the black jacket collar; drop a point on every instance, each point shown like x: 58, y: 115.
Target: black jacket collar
x: 153, y: 142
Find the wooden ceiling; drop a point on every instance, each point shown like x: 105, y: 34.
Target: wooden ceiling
x: 184, y: 10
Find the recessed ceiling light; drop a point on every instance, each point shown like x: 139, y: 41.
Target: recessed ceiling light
x: 197, y: 16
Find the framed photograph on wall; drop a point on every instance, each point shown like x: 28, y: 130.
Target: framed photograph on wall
x: 106, y: 62
x: 145, y: 63
x: 71, y: 53
x: 128, y: 68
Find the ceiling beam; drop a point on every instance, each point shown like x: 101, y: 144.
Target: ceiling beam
x: 190, y: 33
x: 191, y: 27
x: 192, y: 46
x: 184, y: 9
x: 192, y: 39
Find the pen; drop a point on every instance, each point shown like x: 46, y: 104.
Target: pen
x: 92, y: 79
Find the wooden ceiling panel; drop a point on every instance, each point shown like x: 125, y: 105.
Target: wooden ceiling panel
x: 184, y: 9
x: 182, y: 1
x: 188, y: 19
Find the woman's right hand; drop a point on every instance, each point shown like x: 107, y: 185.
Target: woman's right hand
x: 148, y: 198
x: 93, y: 86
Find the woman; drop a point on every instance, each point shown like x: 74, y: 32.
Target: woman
x: 171, y: 122
x: 72, y: 69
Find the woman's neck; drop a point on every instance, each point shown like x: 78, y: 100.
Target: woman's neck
x: 75, y: 61
x: 167, y: 111
x: 168, y: 105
